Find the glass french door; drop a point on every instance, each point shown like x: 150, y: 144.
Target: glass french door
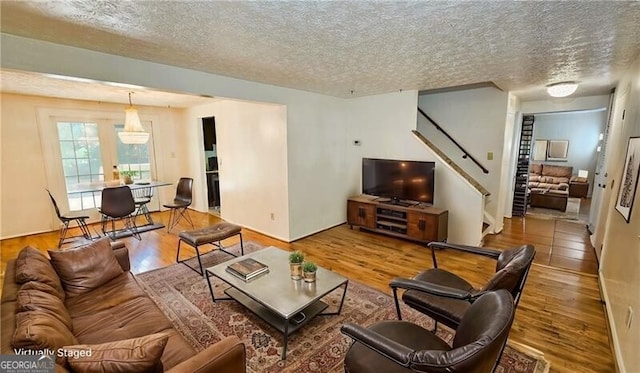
x: 89, y: 150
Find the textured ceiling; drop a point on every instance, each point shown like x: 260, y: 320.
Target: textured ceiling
x: 368, y: 47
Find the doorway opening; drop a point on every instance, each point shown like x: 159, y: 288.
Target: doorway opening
x: 557, y: 164
x: 212, y: 169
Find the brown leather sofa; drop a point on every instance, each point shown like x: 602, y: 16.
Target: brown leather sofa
x: 86, y: 299
x: 549, y: 186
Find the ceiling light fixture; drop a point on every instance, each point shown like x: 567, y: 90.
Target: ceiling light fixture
x: 562, y: 89
x: 133, y: 132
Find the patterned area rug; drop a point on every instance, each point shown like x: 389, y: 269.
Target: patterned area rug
x: 319, y: 346
x: 572, y: 211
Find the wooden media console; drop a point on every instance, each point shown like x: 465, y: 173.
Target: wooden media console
x: 417, y: 222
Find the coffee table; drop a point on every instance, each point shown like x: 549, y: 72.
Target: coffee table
x: 283, y: 303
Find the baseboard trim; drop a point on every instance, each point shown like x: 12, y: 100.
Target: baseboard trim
x: 613, y: 335
x: 317, y: 231
x: 260, y: 232
x: 27, y: 234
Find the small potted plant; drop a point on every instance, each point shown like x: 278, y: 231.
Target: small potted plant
x: 309, y: 271
x: 128, y: 176
x: 295, y: 264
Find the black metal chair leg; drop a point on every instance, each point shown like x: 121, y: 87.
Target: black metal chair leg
x: 177, y: 214
x: 63, y: 233
x: 187, y: 216
x: 395, y: 298
x: 172, y: 218
x: 85, y: 229
x: 130, y: 224
x: 178, y: 253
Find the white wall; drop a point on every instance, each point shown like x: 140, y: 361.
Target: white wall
x: 509, y: 157
x: 476, y: 119
x: 619, y: 274
x: 383, y: 124
x: 252, y: 158
x: 317, y: 145
x: 25, y: 206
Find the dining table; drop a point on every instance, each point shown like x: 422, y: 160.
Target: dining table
x: 95, y: 188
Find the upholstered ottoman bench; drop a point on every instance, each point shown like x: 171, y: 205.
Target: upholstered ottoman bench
x: 212, y: 234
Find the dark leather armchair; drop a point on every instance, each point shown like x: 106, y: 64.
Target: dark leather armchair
x: 401, y: 346
x: 446, y: 297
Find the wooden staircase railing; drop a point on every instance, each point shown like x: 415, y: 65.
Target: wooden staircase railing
x: 451, y: 163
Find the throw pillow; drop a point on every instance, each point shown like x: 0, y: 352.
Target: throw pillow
x: 536, y: 168
x: 32, y: 265
x: 85, y: 268
x: 36, y: 300
x: 136, y: 355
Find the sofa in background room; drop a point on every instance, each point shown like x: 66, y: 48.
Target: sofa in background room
x: 549, y: 185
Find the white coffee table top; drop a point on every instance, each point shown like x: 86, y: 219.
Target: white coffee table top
x: 276, y: 290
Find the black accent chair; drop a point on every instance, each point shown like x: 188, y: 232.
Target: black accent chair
x: 80, y: 220
x: 179, y: 207
x: 118, y: 204
x: 446, y: 297
x: 395, y: 346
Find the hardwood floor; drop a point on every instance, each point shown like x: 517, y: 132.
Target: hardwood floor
x: 561, y: 243
x: 560, y: 312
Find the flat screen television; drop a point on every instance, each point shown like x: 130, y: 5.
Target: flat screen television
x: 400, y: 181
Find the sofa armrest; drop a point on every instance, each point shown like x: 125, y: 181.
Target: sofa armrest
x: 226, y: 356
x: 387, y: 347
x: 122, y: 254
x: 433, y: 289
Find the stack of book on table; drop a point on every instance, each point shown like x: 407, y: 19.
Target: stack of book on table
x: 247, y: 269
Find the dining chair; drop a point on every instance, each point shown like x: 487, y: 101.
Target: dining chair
x: 118, y: 204
x: 80, y: 220
x: 141, y: 197
x: 179, y: 207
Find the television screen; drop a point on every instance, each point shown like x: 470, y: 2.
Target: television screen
x: 398, y: 180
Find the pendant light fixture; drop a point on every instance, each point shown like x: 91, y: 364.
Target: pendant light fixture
x: 133, y: 132
x: 563, y: 89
